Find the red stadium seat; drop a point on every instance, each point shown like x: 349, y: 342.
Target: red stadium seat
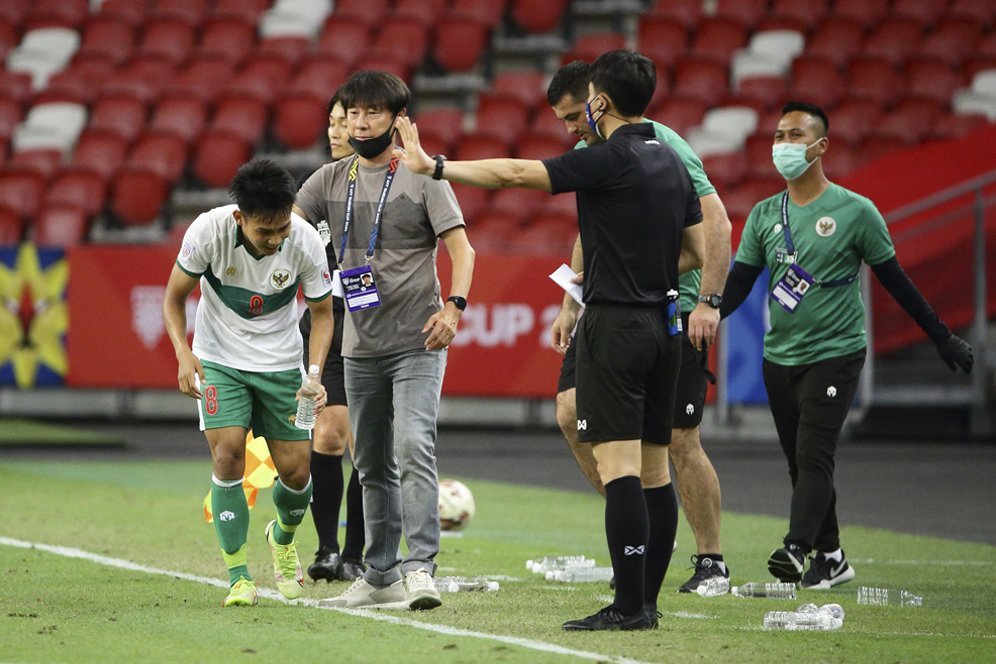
x: 503, y: 117
x: 909, y: 122
x: 226, y: 38
x: 138, y: 195
x: 169, y: 38
x: 217, y: 156
x: 11, y: 114
x: 934, y: 80
x: 44, y: 162
x: 426, y: 12
x: 701, y: 79
x: 949, y: 126
x: 717, y: 38
x: 686, y: 12
x: 203, y: 78
x: 874, y: 79
x: 662, y: 39
x: 184, y: 117
x: 141, y: 78
x: 15, y: 85
x: 546, y: 124
x: 520, y: 204
x: 893, y: 40
x: 442, y: 125
x: 744, y: 12
x: 854, y: 119
x: 489, y: 12
x: 762, y: 92
x: 546, y: 235
x: 680, y: 113
x: 757, y: 155
x: 492, y: 231
x: 319, y: 75
x: 194, y: 12
x: 21, y: 190
x: 124, y: 116
x: 402, y: 39
x: 979, y: 11
x: 810, y: 14
x: 529, y: 85
x: 12, y: 226
x: 539, y: 147
x: 842, y: 159
x: 590, y: 46
x: 300, y: 118
x: 101, y: 151
x: 740, y: 200
x: 924, y: 12
x: 459, y: 43
x: 56, y: 13
x: 132, y: 12
x: 250, y: 10
x: 867, y: 12
x: 817, y: 81
x: 107, y: 37
x: 61, y: 226
x: 837, y: 40
x: 372, y: 12
x: 565, y: 205
x: 261, y: 77
x: 289, y: 47
x: 163, y: 152
x: 245, y: 117
x: 952, y: 42
x: 343, y: 39
x: 472, y: 199
x: 77, y: 187
x: 473, y: 146
x: 388, y: 62
x: 726, y: 170
x: 534, y: 16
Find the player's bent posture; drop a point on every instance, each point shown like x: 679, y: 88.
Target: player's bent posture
x: 245, y: 368
x: 637, y: 211
x: 813, y: 238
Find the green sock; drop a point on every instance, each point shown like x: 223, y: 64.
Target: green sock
x: 291, y: 507
x: 231, y: 524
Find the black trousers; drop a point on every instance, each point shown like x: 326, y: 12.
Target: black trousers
x: 809, y: 403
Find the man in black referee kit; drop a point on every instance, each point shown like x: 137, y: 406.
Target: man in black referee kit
x: 638, y: 212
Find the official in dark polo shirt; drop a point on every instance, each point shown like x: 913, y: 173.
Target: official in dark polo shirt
x: 639, y: 218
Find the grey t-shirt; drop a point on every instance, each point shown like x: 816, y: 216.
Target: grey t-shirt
x: 418, y: 209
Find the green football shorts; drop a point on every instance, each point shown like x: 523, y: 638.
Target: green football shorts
x: 264, y: 401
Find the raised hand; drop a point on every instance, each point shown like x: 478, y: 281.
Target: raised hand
x: 412, y: 155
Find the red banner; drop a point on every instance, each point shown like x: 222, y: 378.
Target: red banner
x: 117, y: 337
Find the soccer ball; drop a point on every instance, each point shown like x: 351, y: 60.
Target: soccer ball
x: 456, y: 505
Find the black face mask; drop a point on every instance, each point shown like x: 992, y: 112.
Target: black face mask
x: 373, y: 147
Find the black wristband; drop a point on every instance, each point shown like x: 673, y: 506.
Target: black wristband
x: 438, y: 173
x: 459, y: 302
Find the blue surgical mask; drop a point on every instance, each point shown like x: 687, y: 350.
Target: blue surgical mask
x: 790, y: 159
x: 592, y: 122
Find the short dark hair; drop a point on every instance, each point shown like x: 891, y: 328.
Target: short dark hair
x: 336, y: 98
x: 375, y: 88
x: 261, y: 188
x: 571, y: 79
x: 627, y: 77
x: 811, y: 109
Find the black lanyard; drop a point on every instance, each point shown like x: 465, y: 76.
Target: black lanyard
x: 392, y: 169
x: 790, y: 247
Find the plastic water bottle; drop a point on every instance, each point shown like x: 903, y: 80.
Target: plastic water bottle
x: 807, y: 617
x: 714, y: 586
x: 769, y: 590
x: 453, y: 584
x: 572, y: 574
x: 551, y: 563
x: 306, y: 404
x: 888, y: 597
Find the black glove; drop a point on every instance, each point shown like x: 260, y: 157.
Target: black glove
x: 956, y: 352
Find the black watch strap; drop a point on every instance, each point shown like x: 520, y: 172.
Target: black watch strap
x: 714, y: 300
x: 438, y: 173
x: 459, y: 302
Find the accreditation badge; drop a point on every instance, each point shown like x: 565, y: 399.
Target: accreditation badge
x: 791, y: 288
x: 359, y: 288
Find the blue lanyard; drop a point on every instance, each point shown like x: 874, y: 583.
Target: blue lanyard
x: 392, y: 169
x: 790, y: 247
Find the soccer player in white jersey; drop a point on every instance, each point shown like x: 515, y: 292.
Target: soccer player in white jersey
x: 245, y: 368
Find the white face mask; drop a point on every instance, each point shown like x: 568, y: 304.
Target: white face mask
x: 790, y: 159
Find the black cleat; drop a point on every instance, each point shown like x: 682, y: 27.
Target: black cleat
x: 610, y: 619
x: 705, y: 568
x: 351, y: 569
x: 787, y: 563
x: 327, y: 566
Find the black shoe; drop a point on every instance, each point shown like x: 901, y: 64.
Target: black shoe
x: 824, y: 574
x: 327, y: 566
x: 610, y: 619
x: 351, y: 569
x: 653, y: 615
x: 705, y: 568
x: 787, y: 563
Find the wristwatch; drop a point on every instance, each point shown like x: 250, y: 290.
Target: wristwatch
x: 714, y: 300
x: 438, y: 173
x: 459, y: 302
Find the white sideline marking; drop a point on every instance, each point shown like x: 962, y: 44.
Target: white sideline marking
x: 953, y: 563
x: 272, y: 594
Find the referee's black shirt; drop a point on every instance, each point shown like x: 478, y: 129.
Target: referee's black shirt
x: 635, y: 199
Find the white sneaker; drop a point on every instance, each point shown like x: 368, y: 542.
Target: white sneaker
x: 422, y: 593
x: 364, y: 595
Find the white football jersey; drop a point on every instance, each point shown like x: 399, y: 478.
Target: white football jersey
x: 247, y: 316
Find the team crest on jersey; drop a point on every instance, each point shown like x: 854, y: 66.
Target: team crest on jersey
x: 186, y: 251
x: 230, y: 271
x: 826, y: 226
x: 280, y: 279
x: 324, y: 231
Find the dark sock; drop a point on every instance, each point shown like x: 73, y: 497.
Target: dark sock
x: 662, y: 511
x: 326, y: 498
x: 355, y: 536
x: 626, y: 530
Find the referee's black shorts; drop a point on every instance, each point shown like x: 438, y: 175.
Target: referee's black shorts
x: 689, y: 400
x: 627, y: 374
x: 333, y: 377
